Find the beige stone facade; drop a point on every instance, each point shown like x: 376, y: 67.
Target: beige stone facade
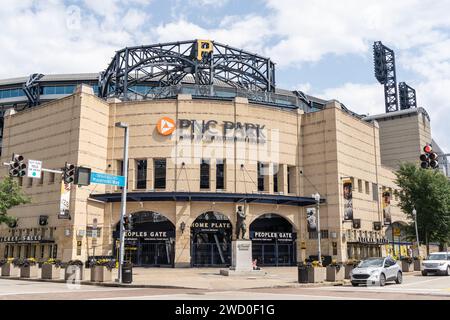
x: 403, y: 134
x: 314, y: 152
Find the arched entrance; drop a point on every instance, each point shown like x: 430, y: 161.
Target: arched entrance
x: 273, y: 241
x: 211, y: 236
x: 151, y: 240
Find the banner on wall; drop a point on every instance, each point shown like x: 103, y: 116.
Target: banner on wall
x: 386, y: 204
x: 64, y: 206
x: 311, y: 219
x: 348, y: 200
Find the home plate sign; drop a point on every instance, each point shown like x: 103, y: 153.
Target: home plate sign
x: 34, y: 169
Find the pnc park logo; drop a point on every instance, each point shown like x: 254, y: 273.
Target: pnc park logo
x: 166, y: 126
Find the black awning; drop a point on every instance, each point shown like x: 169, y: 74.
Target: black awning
x: 208, y: 196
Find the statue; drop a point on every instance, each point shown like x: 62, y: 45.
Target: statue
x: 241, y: 227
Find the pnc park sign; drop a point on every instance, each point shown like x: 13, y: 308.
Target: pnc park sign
x: 213, y: 130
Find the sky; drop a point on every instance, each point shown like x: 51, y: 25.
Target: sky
x: 322, y: 47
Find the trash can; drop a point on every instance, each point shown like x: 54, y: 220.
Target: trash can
x: 302, y: 274
x: 127, y: 273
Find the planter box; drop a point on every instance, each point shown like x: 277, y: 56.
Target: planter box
x: 335, y: 274
x: 73, y: 273
x: 317, y: 274
x: 9, y: 270
x: 101, y: 274
x: 50, y: 272
x: 347, y: 269
x: 407, y: 267
x: 29, y: 272
x: 417, y: 265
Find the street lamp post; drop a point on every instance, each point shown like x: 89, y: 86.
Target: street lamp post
x: 124, y: 196
x: 414, y: 212
x: 316, y: 197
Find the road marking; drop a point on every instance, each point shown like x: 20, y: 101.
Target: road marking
x: 222, y: 294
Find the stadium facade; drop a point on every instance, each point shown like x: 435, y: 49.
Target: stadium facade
x: 210, y: 134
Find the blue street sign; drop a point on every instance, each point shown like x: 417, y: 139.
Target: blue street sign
x: 103, y: 178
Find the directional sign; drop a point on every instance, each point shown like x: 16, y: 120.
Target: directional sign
x: 103, y: 178
x: 34, y: 169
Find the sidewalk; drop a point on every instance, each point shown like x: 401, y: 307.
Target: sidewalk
x: 204, y: 279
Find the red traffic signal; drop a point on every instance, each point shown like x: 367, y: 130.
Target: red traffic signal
x: 427, y: 149
x: 429, y: 159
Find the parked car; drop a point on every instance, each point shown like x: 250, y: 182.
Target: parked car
x: 437, y: 263
x: 376, y: 271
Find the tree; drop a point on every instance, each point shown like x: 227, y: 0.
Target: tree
x: 428, y: 191
x: 10, y: 196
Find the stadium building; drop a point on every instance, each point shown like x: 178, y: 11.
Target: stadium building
x: 210, y: 134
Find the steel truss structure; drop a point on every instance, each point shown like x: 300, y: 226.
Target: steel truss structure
x: 407, y: 96
x: 31, y: 89
x: 384, y: 60
x: 140, y: 71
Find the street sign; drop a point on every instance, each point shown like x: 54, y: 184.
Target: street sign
x: 103, y: 178
x: 34, y: 169
x: 397, y: 232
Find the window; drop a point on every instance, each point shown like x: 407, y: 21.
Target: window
x: 41, y: 179
x: 367, y: 188
x: 33, y: 251
x: 220, y: 174
x: 360, y: 186
x: 204, y: 174
x: 374, y: 192
x: 160, y: 173
x: 89, y: 232
x: 6, y: 252
x: 42, y: 251
x: 275, y: 177
x: 141, y: 174
x: 290, y: 179
x: 55, y: 251
x: 51, y: 177
x: 29, y: 182
x: 260, y: 176
x: 20, y: 181
x: 323, y: 234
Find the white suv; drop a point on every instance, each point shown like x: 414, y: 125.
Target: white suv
x: 376, y: 271
x: 437, y: 263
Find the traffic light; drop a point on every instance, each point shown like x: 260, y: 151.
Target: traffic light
x: 428, y: 159
x: 69, y: 173
x: 17, y: 168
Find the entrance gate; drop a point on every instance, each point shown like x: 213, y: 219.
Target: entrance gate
x: 211, y: 240
x: 273, y: 241
x: 151, y: 242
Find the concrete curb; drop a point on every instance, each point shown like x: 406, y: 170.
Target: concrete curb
x: 151, y: 286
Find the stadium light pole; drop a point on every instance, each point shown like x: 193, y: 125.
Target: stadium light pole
x: 316, y: 197
x: 124, y: 196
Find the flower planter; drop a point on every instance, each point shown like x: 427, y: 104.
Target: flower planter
x: 10, y: 270
x: 335, y: 273
x: 50, y: 272
x: 417, y: 265
x: 347, y: 269
x: 73, y: 273
x: 407, y: 267
x: 29, y: 271
x: 317, y: 274
x: 101, y: 274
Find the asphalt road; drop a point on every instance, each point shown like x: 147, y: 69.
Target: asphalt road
x: 413, y: 287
